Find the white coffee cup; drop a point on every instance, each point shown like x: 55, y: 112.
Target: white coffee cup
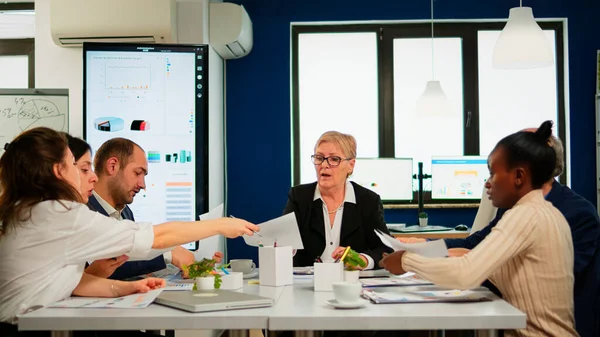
x: 346, y: 292
x: 245, y: 266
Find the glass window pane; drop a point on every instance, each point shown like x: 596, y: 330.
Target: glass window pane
x: 338, y: 90
x: 511, y: 100
x: 17, y: 24
x: 421, y: 137
x: 15, y: 72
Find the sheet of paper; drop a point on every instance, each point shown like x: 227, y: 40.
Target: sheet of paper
x: 134, y: 301
x: 214, y: 213
x: 435, y: 248
x: 174, y: 286
x: 283, y: 230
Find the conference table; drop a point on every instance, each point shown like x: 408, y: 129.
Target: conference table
x: 297, y: 308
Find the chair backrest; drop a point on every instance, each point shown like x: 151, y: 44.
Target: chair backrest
x: 485, y: 213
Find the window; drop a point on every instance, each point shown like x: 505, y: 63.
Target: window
x: 412, y: 70
x: 338, y: 91
x: 512, y: 100
x: 366, y: 79
x: 17, y: 31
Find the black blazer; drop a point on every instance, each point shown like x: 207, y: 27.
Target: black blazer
x: 133, y: 268
x: 358, y: 223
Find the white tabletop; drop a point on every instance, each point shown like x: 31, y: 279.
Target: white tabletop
x: 154, y: 317
x: 300, y: 308
x: 296, y: 307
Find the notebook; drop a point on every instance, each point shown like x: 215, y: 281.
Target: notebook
x: 211, y: 300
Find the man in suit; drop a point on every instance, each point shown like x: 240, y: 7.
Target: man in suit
x: 121, y: 166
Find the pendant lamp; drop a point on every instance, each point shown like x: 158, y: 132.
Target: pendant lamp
x: 433, y: 101
x: 522, y: 43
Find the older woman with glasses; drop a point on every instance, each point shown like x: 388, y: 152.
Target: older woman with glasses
x: 334, y: 213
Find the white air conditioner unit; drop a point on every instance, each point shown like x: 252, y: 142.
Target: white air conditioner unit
x: 73, y: 22
x: 230, y: 30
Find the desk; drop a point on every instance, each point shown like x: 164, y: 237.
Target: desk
x: 301, y: 308
x: 449, y: 234
x: 154, y: 317
x: 297, y: 307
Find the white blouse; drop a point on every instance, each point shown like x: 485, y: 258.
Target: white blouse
x: 42, y: 259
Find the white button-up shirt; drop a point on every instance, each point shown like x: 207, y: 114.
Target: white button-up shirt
x: 42, y: 259
x: 116, y: 214
x: 332, y: 233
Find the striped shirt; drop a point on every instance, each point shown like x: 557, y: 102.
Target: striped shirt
x: 528, y: 256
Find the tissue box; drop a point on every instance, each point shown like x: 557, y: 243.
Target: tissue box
x: 233, y: 281
x: 276, y: 266
x: 327, y: 274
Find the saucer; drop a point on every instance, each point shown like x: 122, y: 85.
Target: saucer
x: 252, y: 274
x: 358, y: 304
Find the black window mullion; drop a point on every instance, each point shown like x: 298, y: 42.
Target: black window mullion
x: 387, y: 145
x: 470, y: 92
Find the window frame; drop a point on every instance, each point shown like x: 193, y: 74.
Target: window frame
x: 386, y: 33
x: 20, y: 47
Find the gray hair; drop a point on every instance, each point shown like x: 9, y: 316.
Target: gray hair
x: 557, y: 145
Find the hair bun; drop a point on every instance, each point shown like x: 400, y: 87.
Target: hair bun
x: 544, y: 131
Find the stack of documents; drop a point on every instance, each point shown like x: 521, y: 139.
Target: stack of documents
x: 408, y: 279
x: 382, y: 297
x: 172, y: 275
x: 134, y: 301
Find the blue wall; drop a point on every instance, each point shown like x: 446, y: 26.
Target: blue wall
x: 258, y: 95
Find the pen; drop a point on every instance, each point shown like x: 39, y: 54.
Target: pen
x: 345, y: 253
x: 225, y: 271
x: 231, y: 216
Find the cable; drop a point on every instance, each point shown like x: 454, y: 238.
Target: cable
x: 432, y: 46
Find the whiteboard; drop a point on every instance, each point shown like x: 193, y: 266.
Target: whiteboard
x: 24, y: 109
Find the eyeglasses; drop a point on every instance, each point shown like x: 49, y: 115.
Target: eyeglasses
x: 333, y: 161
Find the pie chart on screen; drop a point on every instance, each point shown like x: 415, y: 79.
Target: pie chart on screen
x: 140, y: 125
x: 109, y: 124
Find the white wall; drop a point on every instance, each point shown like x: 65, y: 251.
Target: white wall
x: 58, y: 67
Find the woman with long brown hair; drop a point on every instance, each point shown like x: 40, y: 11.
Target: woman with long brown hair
x: 47, y: 233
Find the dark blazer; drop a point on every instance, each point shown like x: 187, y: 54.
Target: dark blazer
x: 133, y: 268
x: 585, y: 231
x: 358, y: 223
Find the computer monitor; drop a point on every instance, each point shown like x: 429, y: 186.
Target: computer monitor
x: 458, y: 177
x: 156, y: 96
x: 391, y: 178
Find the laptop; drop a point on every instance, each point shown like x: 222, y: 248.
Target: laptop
x: 211, y: 300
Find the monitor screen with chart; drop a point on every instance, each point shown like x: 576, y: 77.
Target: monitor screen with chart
x: 156, y: 96
x: 391, y: 178
x: 459, y: 177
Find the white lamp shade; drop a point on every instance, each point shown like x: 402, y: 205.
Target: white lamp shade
x: 433, y: 101
x: 522, y: 43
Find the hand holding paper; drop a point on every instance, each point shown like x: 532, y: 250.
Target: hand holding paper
x: 283, y: 231
x: 436, y: 248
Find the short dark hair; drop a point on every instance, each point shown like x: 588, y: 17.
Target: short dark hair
x: 121, y: 148
x: 27, y: 175
x: 78, y: 146
x: 533, y: 150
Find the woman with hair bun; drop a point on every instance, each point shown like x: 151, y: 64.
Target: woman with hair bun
x: 529, y: 254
